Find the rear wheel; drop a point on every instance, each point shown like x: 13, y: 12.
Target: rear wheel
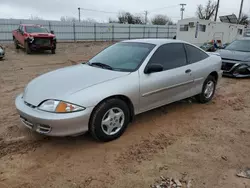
x: 109, y: 120
x: 208, y: 90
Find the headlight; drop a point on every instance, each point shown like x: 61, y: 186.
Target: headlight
x: 59, y: 107
x: 31, y: 39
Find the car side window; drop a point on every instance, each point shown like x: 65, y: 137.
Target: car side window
x: 20, y: 28
x: 194, y: 54
x: 170, y: 56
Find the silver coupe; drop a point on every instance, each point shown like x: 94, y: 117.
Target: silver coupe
x: 128, y: 78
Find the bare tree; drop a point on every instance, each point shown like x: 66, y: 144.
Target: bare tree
x: 128, y: 18
x: 207, y: 12
x: 35, y: 18
x: 68, y: 19
x: 244, y: 20
x: 90, y: 20
x: 111, y: 20
x: 161, y: 20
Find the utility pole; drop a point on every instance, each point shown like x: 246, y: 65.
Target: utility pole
x: 146, y: 17
x: 182, y: 9
x: 79, y: 14
x: 217, y: 9
x: 241, y: 6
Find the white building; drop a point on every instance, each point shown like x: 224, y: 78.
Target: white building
x: 198, y: 31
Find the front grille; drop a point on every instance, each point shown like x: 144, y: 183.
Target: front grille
x: 227, y: 66
x: 42, y: 41
x: 29, y: 105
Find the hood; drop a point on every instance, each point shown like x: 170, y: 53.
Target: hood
x: 234, y: 55
x: 63, y: 82
x: 41, y: 35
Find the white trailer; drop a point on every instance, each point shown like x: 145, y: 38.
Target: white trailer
x: 198, y: 31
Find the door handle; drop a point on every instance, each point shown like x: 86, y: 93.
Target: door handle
x: 188, y: 71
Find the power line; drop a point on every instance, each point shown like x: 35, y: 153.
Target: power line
x: 163, y: 8
x: 94, y: 10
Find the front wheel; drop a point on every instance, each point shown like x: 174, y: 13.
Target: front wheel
x: 53, y: 51
x: 27, y: 48
x: 208, y: 90
x: 109, y: 120
x: 16, y: 44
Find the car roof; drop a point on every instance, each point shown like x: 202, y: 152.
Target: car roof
x: 155, y: 41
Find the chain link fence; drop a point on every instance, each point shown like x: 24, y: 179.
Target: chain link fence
x: 84, y: 31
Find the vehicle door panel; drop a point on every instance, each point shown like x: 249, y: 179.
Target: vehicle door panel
x: 21, y: 34
x: 18, y: 34
x: 160, y: 88
x: 200, y: 65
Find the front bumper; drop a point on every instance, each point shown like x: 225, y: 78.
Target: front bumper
x: 53, y: 124
x: 237, y: 71
x: 2, y: 53
x: 34, y: 44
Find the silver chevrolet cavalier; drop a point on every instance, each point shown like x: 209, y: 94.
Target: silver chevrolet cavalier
x: 128, y: 78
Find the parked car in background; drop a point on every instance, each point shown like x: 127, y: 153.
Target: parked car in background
x: 128, y: 78
x: 236, y: 58
x: 2, y: 52
x: 34, y: 37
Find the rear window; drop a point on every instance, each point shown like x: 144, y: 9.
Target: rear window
x: 34, y: 29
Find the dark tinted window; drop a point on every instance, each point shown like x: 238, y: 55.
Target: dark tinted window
x: 194, y: 54
x: 21, y: 28
x: 170, y: 56
x: 36, y: 29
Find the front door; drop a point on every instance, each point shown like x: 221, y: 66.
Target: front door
x: 171, y: 84
x: 21, y: 37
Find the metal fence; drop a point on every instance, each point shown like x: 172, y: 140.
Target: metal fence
x: 80, y: 31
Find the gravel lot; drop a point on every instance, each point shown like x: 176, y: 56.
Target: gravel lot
x: 205, y: 143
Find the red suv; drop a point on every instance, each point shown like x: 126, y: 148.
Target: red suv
x: 34, y: 37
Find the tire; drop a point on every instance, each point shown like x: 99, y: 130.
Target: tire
x: 16, y: 44
x: 103, y: 113
x: 53, y: 51
x: 27, y: 48
x: 206, y: 96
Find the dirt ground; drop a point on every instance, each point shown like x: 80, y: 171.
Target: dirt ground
x: 205, y: 143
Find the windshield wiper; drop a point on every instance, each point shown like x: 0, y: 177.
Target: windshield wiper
x: 102, y: 65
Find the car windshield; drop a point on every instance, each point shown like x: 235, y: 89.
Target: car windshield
x: 124, y: 56
x: 34, y: 29
x: 239, y: 45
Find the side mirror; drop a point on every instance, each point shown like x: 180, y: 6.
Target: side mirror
x: 52, y: 32
x: 153, y: 68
